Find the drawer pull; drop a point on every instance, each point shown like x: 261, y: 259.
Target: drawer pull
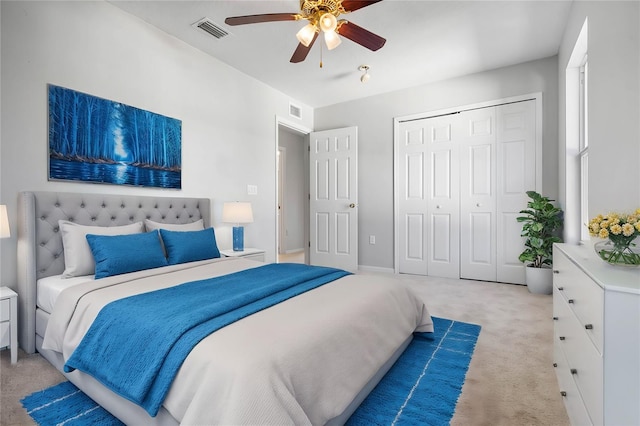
x: 555, y: 271
x: 561, y: 337
x: 570, y: 301
x: 574, y: 371
x: 555, y: 364
x: 560, y: 288
x: 589, y: 326
x: 563, y: 393
x: 555, y: 318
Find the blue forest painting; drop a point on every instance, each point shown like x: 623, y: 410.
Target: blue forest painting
x: 93, y: 139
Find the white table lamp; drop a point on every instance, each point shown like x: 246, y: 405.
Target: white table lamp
x: 5, y: 232
x: 237, y: 213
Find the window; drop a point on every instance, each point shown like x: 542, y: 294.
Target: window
x: 584, y: 146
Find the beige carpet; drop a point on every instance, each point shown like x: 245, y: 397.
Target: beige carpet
x: 511, y: 380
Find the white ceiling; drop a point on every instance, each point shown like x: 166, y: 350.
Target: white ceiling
x: 427, y: 41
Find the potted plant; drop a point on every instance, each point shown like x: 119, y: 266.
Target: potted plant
x: 541, y: 223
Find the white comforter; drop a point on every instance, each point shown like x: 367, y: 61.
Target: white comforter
x: 300, y: 362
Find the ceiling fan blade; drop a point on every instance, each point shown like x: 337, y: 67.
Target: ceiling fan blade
x: 266, y: 17
x: 301, y: 51
x: 351, y: 5
x: 361, y: 36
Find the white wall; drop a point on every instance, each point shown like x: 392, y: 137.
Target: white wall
x: 294, y: 191
x: 228, y: 118
x: 614, y: 107
x: 374, y: 118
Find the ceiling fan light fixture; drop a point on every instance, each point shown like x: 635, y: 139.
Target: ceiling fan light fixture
x: 306, y: 34
x: 328, y: 22
x: 332, y: 39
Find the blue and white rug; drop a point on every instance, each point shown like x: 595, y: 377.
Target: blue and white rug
x: 422, y: 387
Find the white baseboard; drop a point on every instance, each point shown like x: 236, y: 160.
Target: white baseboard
x: 293, y: 251
x: 365, y: 268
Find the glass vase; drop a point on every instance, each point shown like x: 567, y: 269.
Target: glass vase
x: 623, y: 254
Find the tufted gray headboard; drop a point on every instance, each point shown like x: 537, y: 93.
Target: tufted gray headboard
x: 40, y: 252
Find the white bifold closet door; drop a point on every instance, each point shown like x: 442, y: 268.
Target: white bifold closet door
x: 429, y: 211
x: 462, y: 179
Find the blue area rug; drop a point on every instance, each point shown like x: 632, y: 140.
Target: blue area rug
x: 422, y: 387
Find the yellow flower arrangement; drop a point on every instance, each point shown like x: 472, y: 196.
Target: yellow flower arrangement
x: 620, y: 230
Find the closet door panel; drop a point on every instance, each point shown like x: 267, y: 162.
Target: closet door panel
x: 443, y: 197
x: 412, y: 209
x: 516, y: 160
x: 478, y: 195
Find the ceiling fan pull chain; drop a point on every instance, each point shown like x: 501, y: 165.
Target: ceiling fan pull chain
x: 321, y: 55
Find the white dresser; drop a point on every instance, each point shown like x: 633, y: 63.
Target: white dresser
x: 596, y: 310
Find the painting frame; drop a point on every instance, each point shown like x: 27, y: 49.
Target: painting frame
x: 97, y: 140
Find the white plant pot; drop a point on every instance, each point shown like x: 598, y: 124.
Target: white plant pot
x: 539, y: 280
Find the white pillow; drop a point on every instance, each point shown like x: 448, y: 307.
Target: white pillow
x: 198, y: 225
x: 78, y: 259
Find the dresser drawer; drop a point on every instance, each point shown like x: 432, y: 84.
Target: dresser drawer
x: 5, y: 310
x: 584, y: 297
x: 5, y: 334
x: 576, y: 409
x: 584, y: 362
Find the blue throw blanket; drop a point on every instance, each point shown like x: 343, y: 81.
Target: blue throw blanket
x: 136, y: 345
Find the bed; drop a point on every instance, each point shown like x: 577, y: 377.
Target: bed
x: 311, y: 358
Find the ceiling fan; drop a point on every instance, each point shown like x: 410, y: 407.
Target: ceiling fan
x: 322, y: 16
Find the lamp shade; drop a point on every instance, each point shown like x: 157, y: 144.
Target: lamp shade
x: 237, y: 212
x: 328, y: 22
x: 4, y: 222
x: 306, y: 34
x: 332, y: 39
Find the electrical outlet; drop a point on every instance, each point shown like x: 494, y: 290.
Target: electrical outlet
x: 252, y: 189
x: 372, y: 239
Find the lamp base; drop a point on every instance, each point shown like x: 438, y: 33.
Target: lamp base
x: 238, y: 238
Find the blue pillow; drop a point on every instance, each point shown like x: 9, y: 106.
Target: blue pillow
x: 119, y: 254
x: 189, y: 246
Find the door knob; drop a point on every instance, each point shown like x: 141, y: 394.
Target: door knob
x: 352, y: 206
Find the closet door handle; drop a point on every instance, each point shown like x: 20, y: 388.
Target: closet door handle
x: 563, y: 393
x: 574, y: 371
x: 570, y: 301
x: 588, y: 326
x: 561, y: 337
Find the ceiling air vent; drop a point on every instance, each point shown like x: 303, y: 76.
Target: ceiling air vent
x: 295, y: 111
x: 206, y: 24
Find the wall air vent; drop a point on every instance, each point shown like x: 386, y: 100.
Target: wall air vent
x: 207, y: 25
x: 295, y: 111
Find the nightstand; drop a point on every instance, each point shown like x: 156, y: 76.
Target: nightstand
x: 247, y: 253
x: 9, y: 321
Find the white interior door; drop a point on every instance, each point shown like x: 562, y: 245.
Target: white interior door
x: 443, y: 201
x: 428, y: 193
x: 333, y: 159
x: 516, y: 174
x: 461, y: 180
x: 478, y: 194
x: 280, y: 212
x: 412, y: 217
